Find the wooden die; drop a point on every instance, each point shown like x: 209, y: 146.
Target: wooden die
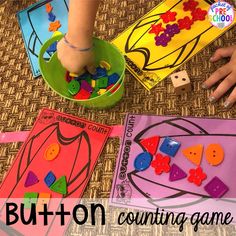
x: 181, y: 82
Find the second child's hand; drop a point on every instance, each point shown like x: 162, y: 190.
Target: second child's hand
x: 227, y: 73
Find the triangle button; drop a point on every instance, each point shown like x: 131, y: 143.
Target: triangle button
x: 60, y: 186
x: 151, y: 144
x: 194, y: 154
x: 31, y: 179
x: 176, y: 173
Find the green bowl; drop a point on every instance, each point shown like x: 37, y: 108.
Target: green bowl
x: 54, y: 74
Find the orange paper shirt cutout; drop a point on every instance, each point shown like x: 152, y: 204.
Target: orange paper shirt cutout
x: 194, y: 154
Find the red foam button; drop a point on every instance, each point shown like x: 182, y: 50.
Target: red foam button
x: 82, y: 94
x: 199, y: 14
x: 110, y: 86
x: 115, y: 89
x: 151, y: 144
x: 161, y: 164
x: 67, y: 77
x: 168, y: 16
x: 197, y: 176
x: 185, y: 23
x: 190, y: 5
x: 156, y: 29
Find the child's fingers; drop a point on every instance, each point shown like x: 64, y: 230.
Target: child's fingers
x: 226, y: 84
x: 231, y: 100
x: 72, y: 68
x: 222, y: 52
x: 217, y: 75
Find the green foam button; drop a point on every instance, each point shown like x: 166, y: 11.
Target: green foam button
x: 94, y: 94
x: 29, y: 198
x: 89, y: 80
x: 73, y: 87
x: 60, y: 186
x: 102, y: 82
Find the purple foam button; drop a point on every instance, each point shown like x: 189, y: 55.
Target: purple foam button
x: 171, y: 30
x: 176, y: 173
x: 216, y: 188
x: 86, y: 86
x: 31, y: 179
x: 162, y: 40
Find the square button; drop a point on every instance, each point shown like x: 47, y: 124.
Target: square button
x: 100, y: 72
x: 43, y: 198
x: 216, y: 188
x: 49, y: 179
x: 170, y: 146
x: 29, y: 198
x: 102, y: 82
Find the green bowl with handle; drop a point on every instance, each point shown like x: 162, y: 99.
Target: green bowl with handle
x: 54, y: 74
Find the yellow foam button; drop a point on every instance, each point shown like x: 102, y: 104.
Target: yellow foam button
x: 43, y: 198
x: 77, y: 75
x: 105, y: 65
x: 101, y: 91
x: 74, y: 75
x: 93, y: 83
x: 52, y: 151
x: 56, y: 33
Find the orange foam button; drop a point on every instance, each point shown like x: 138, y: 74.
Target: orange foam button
x: 151, y: 144
x: 54, y: 26
x: 43, y: 198
x: 52, y: 151
x: 48, y: 7
x: 194, y: 154
x: 214, y: 154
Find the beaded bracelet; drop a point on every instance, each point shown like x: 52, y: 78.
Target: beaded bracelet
x: 76, y: 48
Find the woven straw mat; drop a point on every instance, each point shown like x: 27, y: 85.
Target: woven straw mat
x: 22, y: 97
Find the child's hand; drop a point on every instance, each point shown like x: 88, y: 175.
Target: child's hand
x: 75, y: 61
x: 81, y: 20
x: 227, y: 73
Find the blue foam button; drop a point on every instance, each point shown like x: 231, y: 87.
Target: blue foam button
x: 170, y: 146
x: 49, y: 179
x: 100, y: 72
x: 51, y: 17
x: 52, y: 47
x: 112, y: 79
x: 85, y: 75
x: 142, y: 161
